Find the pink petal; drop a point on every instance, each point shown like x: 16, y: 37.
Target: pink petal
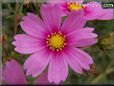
x: 51, y: 17
x: 56, y: 1
x: 64, y: 9
x: 13, y: 73
x: 78, y: 59
x: 78, y: 1
x: 92, y: 10
x: 37, y: 62
x: 106, y: 14
x: 83, y: 33
x: 62, y: 4
x: 82, y: 37
x: 26, y: 44
x: 84, y: 42
x: 42, y: 79
x: 33, y: 25
x: 97, y: 12
x: 73, y: 63
x: 73, y: 22
x: 62, y: 1
x: 58, y: 69
x: 83, y: 58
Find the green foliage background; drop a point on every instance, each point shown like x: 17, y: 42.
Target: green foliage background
x: 102, y: 52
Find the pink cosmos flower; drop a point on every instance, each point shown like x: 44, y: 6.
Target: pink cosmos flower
x: 51, y: 42
x: 13, y: 73
x: 92, y: 10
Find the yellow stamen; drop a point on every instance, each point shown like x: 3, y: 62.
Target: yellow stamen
x: 56, y: 41
x: 74, y: 6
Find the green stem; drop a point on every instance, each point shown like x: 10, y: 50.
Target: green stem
x: 97, y: 79
x: 107, y: 71
x: 10, y: 8
x: 21, y: 8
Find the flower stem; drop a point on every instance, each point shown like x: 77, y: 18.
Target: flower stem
x: 16, y: 17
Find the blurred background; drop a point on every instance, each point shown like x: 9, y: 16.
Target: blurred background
x: 102, y: 52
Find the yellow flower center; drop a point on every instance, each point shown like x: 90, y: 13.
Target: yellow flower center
x: 56, y: 41
x: 74, y: 6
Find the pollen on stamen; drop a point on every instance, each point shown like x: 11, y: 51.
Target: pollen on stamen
x: 64, y: 36
x: 50, y: 47
x: 51, y: 33
x: 48, y: 36
x: 74, y: 6
x: 60, y: 49
x: 56, y: 41
x: 47, y: 42
x: 60, y: 33
x: 64, y: 43
x: 68, y: 3
x: 55, y: 33
x: 57, y: 49
x: 62, y: 46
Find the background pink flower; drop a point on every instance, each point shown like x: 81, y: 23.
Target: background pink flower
x: 13, y: 74
x: 55, y: 44
x: 92, y: 10
x: 42, y: 79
